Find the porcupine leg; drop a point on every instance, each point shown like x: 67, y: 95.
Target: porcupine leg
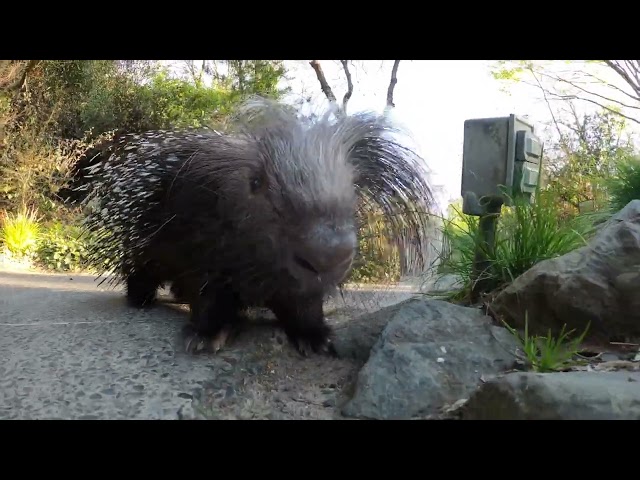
x: 178, y: 292
x: 142, y: 287
x: 215, y: 316
x: 303, y: 320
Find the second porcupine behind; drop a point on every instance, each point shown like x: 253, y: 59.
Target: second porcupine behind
x: 262, y: 217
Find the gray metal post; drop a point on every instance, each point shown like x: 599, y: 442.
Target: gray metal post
x: 488, y: 222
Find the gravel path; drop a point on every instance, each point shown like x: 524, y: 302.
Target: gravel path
x: 72, y: 350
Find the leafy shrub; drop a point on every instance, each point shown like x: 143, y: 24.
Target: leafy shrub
x: 625, y: 184
x: 525, y: 235
x: 33, y: 165
x: 377, y: 259
x: 62, y: 248
x: 177, y: 103
x: 20, y: 233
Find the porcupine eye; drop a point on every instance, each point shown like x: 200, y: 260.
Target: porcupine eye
x: 256, y: 184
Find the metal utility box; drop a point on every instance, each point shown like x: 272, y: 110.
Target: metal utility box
x: 498, y: 152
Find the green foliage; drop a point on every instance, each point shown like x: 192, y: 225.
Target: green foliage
x: 548, y: 354
x: 532, y: 72
x: 62, y: 248
x: 73, y: 97
x: 457, y: 231
x: 177, y: 103
x: 19, y: 233
x: 100, y: 96
x: 255, y: 77
x: 378, y: 259
x: 624, y: 186
x: 33, y: 168
x: 584, y: 158
x: 525, y: 235
x: 508, y: 70
x: 54, y: 246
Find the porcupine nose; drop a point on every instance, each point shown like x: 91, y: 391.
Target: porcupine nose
x: 326, y: 251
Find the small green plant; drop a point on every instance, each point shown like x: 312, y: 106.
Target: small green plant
x: 624, y: 186
x: 548, y: 354
x: 62, y: 248
x: 20, y: 233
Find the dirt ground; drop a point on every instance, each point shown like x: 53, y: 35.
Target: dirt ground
x: 270, y: 380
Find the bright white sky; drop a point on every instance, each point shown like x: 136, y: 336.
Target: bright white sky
x: 433, y: 98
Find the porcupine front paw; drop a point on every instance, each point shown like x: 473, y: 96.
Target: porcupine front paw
x: 215, y: 317
x: 304, y: 323
x: 198, y: 342
x: 314, y: 340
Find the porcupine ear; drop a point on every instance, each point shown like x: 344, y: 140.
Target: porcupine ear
x: 392, y: 180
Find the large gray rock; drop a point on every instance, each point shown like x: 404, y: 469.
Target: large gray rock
x: 557, y: 396
x: 430, y: 354
x: 355, y: 338
x: 598, y: 283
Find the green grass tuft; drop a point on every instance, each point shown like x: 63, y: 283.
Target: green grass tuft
x: 548, y: 354
x: 20, y: 233
x: 624, y: 186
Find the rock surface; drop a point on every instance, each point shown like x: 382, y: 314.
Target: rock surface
x: 557, y: 396
x: 597, y: 283
x: 355, y: 339
x: 430, y: 354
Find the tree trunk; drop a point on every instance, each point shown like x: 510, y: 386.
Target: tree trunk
x: 392, y: 84
x: 315, y: 64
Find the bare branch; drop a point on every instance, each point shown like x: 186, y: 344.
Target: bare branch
x: 324, y: 85
x: 588, y: 92
x: 584, y: 86
x: 609, y: 109
x: 633, y: 66
x: 626, y: 77
x: 610, y: 85
x: 193, y: 71
x: 546, y: 99
x: 347, y: 95
x: 392, y: 84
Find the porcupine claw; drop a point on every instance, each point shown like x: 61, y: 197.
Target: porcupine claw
x: 195, y: 342
x: 306, y: 347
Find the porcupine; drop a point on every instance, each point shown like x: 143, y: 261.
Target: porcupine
x: 262, y: 216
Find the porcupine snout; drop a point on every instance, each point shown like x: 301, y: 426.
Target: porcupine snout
x: 324, y: 253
